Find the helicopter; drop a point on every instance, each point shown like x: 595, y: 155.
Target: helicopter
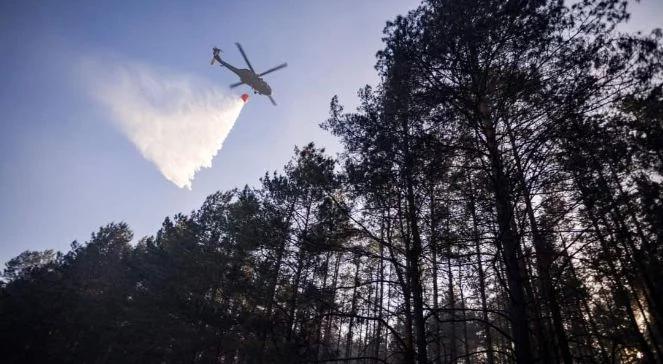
x: 247, y: 76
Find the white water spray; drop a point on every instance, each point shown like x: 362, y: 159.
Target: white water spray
x: 176, y: 122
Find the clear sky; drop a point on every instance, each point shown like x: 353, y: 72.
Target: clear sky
x: 65, y: 169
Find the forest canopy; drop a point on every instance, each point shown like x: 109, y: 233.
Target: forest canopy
x: 498, y: 199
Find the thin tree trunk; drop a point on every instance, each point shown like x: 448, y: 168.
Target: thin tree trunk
x: 353, y: 311
x: 466, y: 354
x: 544, y: 259
x: 453, y: 354
x: 518, y: 306
x: 433, y: 246
x: 490, y: 357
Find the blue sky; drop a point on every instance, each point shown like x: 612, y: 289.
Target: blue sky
x: 65, y: 169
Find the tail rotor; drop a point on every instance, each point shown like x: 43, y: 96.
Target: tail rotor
x: 215, y: 53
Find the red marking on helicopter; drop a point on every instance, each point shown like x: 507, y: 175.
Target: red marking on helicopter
x: 245, y: 97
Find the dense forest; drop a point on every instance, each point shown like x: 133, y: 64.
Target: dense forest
x: 498, y: 199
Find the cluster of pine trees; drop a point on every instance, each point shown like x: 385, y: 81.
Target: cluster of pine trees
x: 499, y: 199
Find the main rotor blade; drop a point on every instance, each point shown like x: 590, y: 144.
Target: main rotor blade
x: 272, y: 100
x: 245, y: 58
x: 236, y: 84
x: 284, y: 65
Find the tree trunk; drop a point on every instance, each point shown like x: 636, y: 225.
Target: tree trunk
x: 507, y: 239
x: 490, y: 357
x: 544, y: 259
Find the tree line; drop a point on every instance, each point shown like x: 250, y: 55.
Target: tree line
x: 498, y: 199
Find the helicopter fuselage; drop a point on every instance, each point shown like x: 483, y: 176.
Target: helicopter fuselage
x: 248, y: 77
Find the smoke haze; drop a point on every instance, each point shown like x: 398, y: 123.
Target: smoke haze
x: 176, y: 121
